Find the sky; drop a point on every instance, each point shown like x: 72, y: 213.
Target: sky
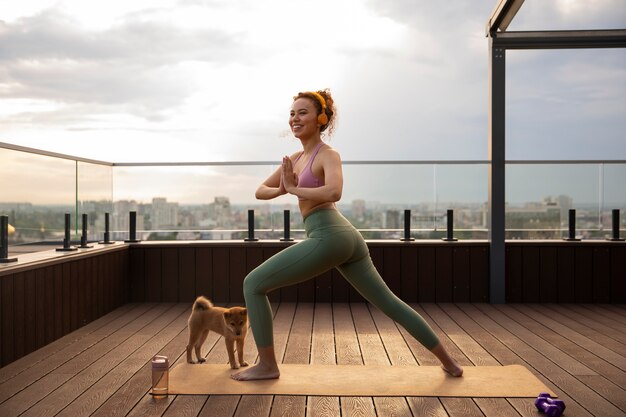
x: 213, y: 80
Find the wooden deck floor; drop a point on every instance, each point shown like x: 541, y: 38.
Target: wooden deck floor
x: 103, y: 368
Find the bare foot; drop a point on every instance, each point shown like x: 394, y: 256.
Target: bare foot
x: 455, y: 370
x: 257, y: 372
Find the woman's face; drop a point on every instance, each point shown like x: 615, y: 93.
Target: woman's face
x: 303, y: 118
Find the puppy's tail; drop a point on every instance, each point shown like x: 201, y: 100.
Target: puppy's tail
x: 202, y: 303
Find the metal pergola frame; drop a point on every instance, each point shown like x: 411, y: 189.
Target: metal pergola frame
x: 499, y: 42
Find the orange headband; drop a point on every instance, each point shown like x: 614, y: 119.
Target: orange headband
x: 319, y: 98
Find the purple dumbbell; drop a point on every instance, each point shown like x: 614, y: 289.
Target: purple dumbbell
x: 550, y: 406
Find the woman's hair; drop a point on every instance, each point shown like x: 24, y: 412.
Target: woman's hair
x: 328, y: 107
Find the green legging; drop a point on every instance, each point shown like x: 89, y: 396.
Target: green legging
x: 331, y: 242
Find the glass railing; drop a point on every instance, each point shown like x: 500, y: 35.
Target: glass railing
x: 190, y: 201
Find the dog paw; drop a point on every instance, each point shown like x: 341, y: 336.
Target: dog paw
x: 244, y: 363
x: 234, y: 366
x: 201, y: 360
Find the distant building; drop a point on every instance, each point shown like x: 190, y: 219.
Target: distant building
x: 164, y: 214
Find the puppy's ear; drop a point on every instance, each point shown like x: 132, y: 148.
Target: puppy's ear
x: 227, y: 315
x: 244, y: 312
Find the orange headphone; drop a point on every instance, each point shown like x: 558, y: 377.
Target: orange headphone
x: 322, y: 118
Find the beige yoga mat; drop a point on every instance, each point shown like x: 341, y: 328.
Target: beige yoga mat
x: 362, y: 380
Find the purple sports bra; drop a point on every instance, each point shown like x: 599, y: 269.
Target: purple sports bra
x: 306, y: 178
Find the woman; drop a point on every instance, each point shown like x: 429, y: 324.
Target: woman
x: 315, y: 176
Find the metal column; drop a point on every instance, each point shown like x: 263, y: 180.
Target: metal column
x: 495, y: 222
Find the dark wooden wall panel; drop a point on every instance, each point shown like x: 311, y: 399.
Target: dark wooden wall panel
x: 170, y: 278
x: 443, y: 280
x: 479, y: 274
x: 513, y: 266
x: 548, y: 275
x: 461, y: 271
x: 204, y: 272
x: 426, y: 274
x: 409, y: 274
x: 618, y: 274
x: 530, y: 274
x: 583, y: 274
x: 187, y: 274
x: 18, y: 315
x: 601, y: 275
x: 565, y: 274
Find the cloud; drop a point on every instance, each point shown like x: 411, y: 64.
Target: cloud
x: 133, y: 68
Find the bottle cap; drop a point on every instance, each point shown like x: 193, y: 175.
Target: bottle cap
x: 160, y: 362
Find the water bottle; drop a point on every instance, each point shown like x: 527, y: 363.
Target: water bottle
x: 160, y: 375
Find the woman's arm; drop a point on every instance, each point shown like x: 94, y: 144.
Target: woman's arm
x: 333, y: 179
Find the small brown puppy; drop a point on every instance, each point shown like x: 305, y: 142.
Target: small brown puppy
x: 232, y: 323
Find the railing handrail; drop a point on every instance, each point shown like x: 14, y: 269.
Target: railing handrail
x: 347, y: 162
x: 52, y: 154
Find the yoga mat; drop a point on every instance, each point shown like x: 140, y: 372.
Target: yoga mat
x: 361, y: 380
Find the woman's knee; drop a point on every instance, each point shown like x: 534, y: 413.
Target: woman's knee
x: 251, y: 284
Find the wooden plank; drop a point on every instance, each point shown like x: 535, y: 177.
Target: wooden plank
x: 583, y: 271
x: 169, y: 277
x: 185, y: 406
x: 133, y: 395
x: 479, y: 274
x: 461, y: 274
x: 553, y: 365
x: 19, y: 318
x: 392, y: 269
x: 382, y: 344
x: 496, y: 407
x: 530, y: 274
x: 137, y: 274
x: 618, y: 274
x: 221, y: 275
x: 170, y: 320
x: 40, y: 308
x: 565, y: 274
x: 324, y: 288
x: 342, y: 291
x: 298, y: 349
x: 27, y: 363
x: 513, y: 266
x: 593, y: 326
x: 154, y: 278
x: 470, y: 348
x: 58, y: 301
x: 74, y: 300
x: 29, y: 307
x: 288, y: 406
x: 443, y: 276
x: 589, y: 352
x: 548, y: 290
x: 220, y: 405
x: 461, y: 407
x: 408, y: 274
x: 28, y: 388
x: 426, y: 406
x: 601, y: 275
x: 426, y: 275
x: 7, y: 340
x: 187, y: 275
x: 49, y: 305
x: 237, y: 259
x: 88, y: 368
x: 323, y: 352
x: 204, y: 272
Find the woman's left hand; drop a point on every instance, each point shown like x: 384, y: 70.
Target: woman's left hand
x: 289, y: 179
